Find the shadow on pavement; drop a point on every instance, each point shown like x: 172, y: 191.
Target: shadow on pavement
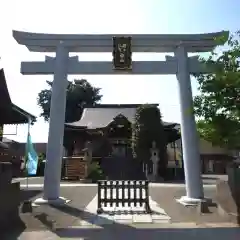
x: 125, y: 232
x: 28, y: 194
x: 121, y: 231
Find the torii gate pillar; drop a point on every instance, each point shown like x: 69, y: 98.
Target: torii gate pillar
x: 62, y: 65
x: 190, y: 144
x: 52, y: 174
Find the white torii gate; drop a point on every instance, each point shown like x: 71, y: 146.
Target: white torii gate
x: 62, y: 65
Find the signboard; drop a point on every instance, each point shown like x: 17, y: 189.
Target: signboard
x: 122, y: 53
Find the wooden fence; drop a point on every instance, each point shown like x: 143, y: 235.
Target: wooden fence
x: 124, y: 193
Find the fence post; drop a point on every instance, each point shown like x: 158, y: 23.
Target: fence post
x: 117, y: 193
x: 111, y: 193
x: 148, y: 209
x: 129, y: 193
x: 99, y: 208
x: 134, y: 193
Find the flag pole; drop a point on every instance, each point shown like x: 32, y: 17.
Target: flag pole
x: 27, y: 204
x: 26, y: 154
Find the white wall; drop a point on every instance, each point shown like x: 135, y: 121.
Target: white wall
x: 205, y: 147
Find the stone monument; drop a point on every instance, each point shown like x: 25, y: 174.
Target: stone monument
x: 88, y: 152
x: 154, y: 159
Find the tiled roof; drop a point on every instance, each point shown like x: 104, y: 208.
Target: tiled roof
x: 3, y: 145
x: 101, y: 115
x: 5, y: 99
x: 9, y: 112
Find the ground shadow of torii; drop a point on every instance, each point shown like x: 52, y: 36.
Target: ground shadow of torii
x: 121, y: 231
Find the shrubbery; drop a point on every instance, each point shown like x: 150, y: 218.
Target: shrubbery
x: 95, y: 172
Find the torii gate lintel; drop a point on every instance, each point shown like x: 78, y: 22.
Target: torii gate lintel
x: 62, y: 65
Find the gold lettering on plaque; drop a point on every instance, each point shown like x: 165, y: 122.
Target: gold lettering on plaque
x: 122, y: 53
x: 122, y: 50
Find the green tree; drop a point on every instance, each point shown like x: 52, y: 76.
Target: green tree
x: 80, y: 93
x: 146, y: 128
x: 218, y: 104
x: 41, y: 157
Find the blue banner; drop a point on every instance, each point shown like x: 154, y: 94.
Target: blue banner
x: 31, y: 157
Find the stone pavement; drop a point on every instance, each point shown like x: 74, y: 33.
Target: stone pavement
x: 66, y: 216
x: 166, y: 198
x: 38, y: 181
x: 82, y: 207
x: 76, y: 219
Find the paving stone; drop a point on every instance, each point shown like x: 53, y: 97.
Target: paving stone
x: 123, y: 218
x: 92, y: 206
x: 142, y: 218
x: 157, y: 218
x: 86, y: 223
x: 38, y: 235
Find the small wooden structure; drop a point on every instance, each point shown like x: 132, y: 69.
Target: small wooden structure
x: 8, y: 154
x: 74, y: 168
x: 10, y: 114
x: 124, y: 193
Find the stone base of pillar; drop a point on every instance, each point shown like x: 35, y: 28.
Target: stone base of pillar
x: 187, y: 201
x: 57, y: 202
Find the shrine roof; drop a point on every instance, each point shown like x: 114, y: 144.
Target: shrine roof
x: 101, y: 115
x: 4, y: 94
x: 9, y: 112
x: 3, y: 145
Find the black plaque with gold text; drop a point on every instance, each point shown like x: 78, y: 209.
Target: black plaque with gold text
x: 122, y: 53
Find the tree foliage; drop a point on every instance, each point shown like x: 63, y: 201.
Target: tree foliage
x: 218, y: 104
x: 80, y: 94
x: 146, y: 128
x: 41, y: 157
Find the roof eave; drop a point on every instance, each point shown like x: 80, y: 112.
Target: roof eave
x: 25, y: 114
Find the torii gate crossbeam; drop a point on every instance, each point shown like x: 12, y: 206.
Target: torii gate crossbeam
x: 62, y: 65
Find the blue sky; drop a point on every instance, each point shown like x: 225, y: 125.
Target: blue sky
x: 105, y: 16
